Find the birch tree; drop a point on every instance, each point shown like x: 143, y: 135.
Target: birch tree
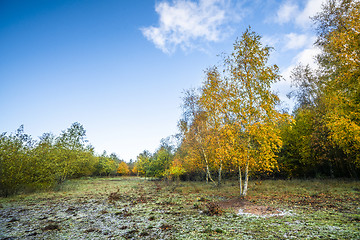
x: 212, y: 100
x: 251, y: 104
x: 196, y: 134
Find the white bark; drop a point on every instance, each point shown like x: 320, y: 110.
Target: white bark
x: 240, y: 182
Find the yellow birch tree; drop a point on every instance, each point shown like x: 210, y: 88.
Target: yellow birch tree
x: 251, y: 104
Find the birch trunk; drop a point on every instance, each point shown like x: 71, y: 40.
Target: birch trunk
x: 240, y: 182
x: 247, y: 167
x: 246, y: 177
x: 219, y: 177
x: 208, y: 175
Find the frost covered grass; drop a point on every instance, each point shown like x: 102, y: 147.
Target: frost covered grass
x: 135, y: 208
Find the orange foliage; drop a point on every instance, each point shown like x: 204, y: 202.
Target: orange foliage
x: 123, y: 169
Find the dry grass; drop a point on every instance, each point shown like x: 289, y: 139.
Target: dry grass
x: 134, y: 208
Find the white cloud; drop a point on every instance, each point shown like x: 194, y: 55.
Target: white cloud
x: 182, y: 23
x: 307, y: 56
x: 311, y: 8
x: 290, y: 11
x: 271, y: 41
x: 286, y: 12
x: 298, y: 13
x: 286, y: 73
x: 296, y: 41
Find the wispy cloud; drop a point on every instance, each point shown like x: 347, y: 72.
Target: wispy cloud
x: 311, y: 8
x: 290, y: 11
x: 286, y: 12
x: 307, y: 56
x: 296, y: 41
x: 185, y: 23
x: 270, y: 40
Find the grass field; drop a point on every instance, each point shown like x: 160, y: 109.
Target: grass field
x: 135, y: 208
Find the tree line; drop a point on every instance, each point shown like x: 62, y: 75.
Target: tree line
x: 324, y: 138
x: 233, y: 125
x: 28, y: 165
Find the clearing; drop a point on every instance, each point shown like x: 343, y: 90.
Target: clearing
x: 135, y: 208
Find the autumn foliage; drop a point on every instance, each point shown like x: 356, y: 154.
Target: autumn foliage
x: 324, y: 140
x: 123, y: 169
x: 27, y: 164
x: 232, y: 125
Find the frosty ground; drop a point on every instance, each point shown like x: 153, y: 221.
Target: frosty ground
x: 137, y: 208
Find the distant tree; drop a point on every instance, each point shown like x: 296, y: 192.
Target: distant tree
x: 132, y: 168
x: 175, y: 170
x: 123, y: 169
x: 106, y: 165
x: 159, y: 162
x: 114, y: 157
x: 155, y: 165
x: 28, y: 165
x: 45, y: 154
x: 142, y: 163
x: 71, y: 146
x: 308, y: 87
x: 15, y: 159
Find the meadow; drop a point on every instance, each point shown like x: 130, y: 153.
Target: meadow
x: 138, y: 208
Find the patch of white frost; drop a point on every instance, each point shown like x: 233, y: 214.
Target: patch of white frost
x: 280, y: 214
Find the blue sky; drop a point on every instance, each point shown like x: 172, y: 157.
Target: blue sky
x: 119, y: 67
